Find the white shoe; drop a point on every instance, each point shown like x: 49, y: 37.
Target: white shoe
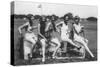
x: 43, y: 60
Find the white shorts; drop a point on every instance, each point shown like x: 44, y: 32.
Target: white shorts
x: 64, y: 37
x: 55, y: 40
x: 78, y: 38
x: 30, y: 37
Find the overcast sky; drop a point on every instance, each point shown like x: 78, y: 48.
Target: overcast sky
x: 22, y: 7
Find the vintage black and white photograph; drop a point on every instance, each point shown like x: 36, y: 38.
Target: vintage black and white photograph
x: 50, y: 33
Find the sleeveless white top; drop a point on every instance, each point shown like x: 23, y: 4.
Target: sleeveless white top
x: 78, y: 27
x: 31, y: 32
x: 64, y: 29
x: 31, y: 28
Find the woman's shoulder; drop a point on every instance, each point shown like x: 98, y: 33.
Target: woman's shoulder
x: 27, y: 23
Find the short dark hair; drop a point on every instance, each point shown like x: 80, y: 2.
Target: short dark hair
x: 77, y: 17
x: 29, y: 16
x: 70, y: 16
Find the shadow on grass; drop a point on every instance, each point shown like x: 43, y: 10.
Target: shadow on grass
x: 52, y: 61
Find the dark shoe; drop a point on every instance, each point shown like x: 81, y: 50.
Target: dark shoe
x: 79, y: 48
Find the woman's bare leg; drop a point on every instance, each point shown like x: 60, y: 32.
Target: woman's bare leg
x: 71, y: 42
x: 82, y: 40
x: 56, y: 41
x: 86, y: 47
x: 43, y: 49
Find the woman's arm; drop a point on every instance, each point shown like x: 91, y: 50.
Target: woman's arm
x: 83, y: 32
x: 47, y: 26
x: 59, y: 24
x: 22, y: 26
x: 75, y: 29
x: 35, y: 27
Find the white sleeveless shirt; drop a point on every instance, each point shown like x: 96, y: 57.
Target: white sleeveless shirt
x: 78, y: 27
x: 64, y: 29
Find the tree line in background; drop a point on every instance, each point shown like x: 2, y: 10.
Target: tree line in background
x: 22, y: 16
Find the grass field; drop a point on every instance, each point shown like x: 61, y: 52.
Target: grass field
x: 91, y: 35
